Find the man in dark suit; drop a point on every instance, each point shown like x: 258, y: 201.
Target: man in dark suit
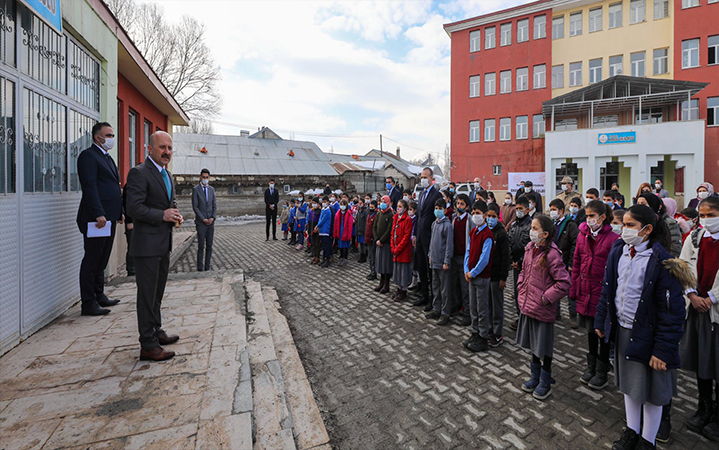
x: 272, y: 198
x: 150, y: 200
x: 102, y: 203
x: 393, y: 191
x: 423, y: 234
x: 205, y: 207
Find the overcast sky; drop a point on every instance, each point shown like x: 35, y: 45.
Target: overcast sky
x: 338, y: 73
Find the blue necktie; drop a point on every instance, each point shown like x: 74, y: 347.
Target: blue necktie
x: 168, y: 183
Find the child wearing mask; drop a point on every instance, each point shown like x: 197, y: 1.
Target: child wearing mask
x: 284, y: 218
x: 413, y: 207
x: 383, y: 235
x: 565, y: 236
x: 518, y: 234
x: 449, y: 209
x: 361, y: 228
x: 401, y: 246
x: 543, y: 281
x: 369, y: 239
x: 642, y: 308
x: 499, y: 274
x: 291, y: 221
x: 699, y: 347
x: 324, y: 231
x: 618, y: 221
x: 343, y: 230
x: 576, y: 212
x: 300, y: 221
x: 313, y: 220
x: 508, y: 211
x: 461, y: 226
x: 590, y: 258
x: 688, y: 220
x: 441, y: 248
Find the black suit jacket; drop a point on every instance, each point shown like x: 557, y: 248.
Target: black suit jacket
x: 425, y: 215
x: 100, y: 182
x: 147, y: 201
x: 271, y: 199
x: 395, y: 195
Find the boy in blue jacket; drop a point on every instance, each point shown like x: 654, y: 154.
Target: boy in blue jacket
x: 324, y: 227
x: 291, y: 223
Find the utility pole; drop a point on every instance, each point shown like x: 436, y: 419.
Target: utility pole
x: 380, y: 145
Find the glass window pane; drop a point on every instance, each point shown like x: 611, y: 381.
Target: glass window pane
x: 523, y: 30
x: 490, y: 83
x: 540, y: 27
x: 522, y: 78
x: 84, y: 84
x: 474, y: 37
x: 575, y: 24
x: 490, y: 37
x: 7, y: 136
x: 45, y: 144
x: 558, y: 77
x: 595, y: 19
x: 7, y: 32
x: 615, y: 15
x: 558, y: 27
x: 44, y: 52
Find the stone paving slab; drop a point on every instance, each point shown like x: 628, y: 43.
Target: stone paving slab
x: 78, y: 383
x: 384, y: 377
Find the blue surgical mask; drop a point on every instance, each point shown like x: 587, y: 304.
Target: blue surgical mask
x: 389, y: 186
x: 383, y: 206
x: 284, y: 206
x: 451, y: 190
x: 492, y: 222
x: 439, y: 213
x: 461, y: 210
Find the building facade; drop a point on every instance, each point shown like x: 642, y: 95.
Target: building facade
x: 587, y: 43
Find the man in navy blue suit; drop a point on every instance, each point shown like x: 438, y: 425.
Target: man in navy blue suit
x: 102, y: 203
x: 423, y: 235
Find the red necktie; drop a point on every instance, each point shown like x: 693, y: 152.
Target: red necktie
x: 632, y: 252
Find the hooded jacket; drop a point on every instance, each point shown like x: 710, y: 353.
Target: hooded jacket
x: 501, y: 260
x: 401, y: 243
x: 588, y: 267
x: 542, y: 284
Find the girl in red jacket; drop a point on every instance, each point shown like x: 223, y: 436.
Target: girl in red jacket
x: 401, y: 246
x: 590, y: 258
x: 543, y: 281
x: 344, y: 221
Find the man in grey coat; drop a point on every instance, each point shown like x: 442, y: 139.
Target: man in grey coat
x: 205, y: 207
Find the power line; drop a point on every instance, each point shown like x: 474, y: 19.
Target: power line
x: 302, y: 133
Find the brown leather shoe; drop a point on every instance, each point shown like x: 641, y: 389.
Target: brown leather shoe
x: 156, y: 354
x: 164, y: 339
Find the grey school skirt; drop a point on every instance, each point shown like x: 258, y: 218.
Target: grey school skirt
x: 585, y: 322
x: 383, y: 261
x: 638, y: 380
x: 699, y: 346
x: 402, y: 274
x: 536, y: 336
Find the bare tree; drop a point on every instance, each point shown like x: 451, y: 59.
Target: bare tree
x: 197, y: 126
x: 177, y: 53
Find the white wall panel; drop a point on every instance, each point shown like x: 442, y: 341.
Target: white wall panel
x: 9, y: 273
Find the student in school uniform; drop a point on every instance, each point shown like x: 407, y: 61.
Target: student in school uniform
x: 412, y: 213
x: 461, y: 226
x: 618, y: 221
x: 401, y: 246
x: 369, y: 239
x: 507, y: 211
x: 300, y: 221
x: 543, y: 281
x: 324, y: 231
x: 316, y: 242
x: 361, y: 228
x: 382, y: 236
x: 441, y: 249
x: 565, y: 236
x: 498, y: 277
x: 284, y: 219
x: 594, y: 242
x: 342, y: 232
x: 310, y: 223
x: 518, y: 233
x: 642, y: 308
x: 291, y: 222
x: 699, y: 347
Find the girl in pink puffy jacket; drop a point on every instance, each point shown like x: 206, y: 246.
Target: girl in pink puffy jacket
x: 543, y: 281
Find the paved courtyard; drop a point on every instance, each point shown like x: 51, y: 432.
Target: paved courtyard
x: 384, y: 377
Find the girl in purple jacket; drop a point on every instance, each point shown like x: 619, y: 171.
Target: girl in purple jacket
x: 543, y: 281
x: 593, y: 245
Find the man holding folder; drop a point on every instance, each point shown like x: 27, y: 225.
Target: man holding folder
x: 99, y: 213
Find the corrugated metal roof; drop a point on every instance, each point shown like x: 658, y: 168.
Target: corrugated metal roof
x: 242, y: 155
x: 342, y: 167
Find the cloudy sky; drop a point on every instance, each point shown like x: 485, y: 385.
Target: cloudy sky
x: 338, y: 73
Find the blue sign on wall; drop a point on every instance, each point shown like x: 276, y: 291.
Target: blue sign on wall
x: 47, y: 10
x: 626, y: 137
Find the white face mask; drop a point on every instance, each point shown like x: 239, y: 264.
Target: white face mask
x: 702, y: 195
x: 424, y: 182
x: 631, y: 236
x: 534, y: 236
x: 314, y: 206
x: 520, y: 214
x: 205, y: 181
x: 272, y: 186
x: 711, y: 224
x: 658, y: 186
x: 405, y: 198
x: 573, y: 209
x: 565, y: 187
x: 108, y: 144
x: 587, y: 200
x: 554, y: 214
x: 528, y: 188
x: 343, y: 207
x: 478, y: 219
x: 531, y: 207
x: 593, y: 224
x: 476, y: 186
x: 507, y: 201
x: 617, y: 228
x: 410, y: 213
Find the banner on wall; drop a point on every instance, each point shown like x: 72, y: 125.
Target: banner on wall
x: 538, y: 180
x: 48, y: 11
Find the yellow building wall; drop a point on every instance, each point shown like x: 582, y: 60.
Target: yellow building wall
x: 643, y: 36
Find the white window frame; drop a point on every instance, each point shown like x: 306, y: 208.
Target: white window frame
x: 637, y: 11
x: 489, y: 128
x: 557, y: 80
x: 595, y: 72
x: 538, y: 126
x: 616, y: 12
x: 558, y: 27
x: 522, y: 127
x: 712, y: 111
x: 132, y: 136
x: 616, y: 68
x: 595, y: 19
x: 690, y: 53
x: 575, y: 23
x: 661, y: 9
x: 575, y: 74
x: 505, y: 34
x: 490, y: 37
x: 540, y: 27
x: 539, y: 77
x: 505, y: 129
x: 497, y: 170
x: 523, y: 30
x: 505, y: 82
x: 713, y: 49
x: 638, y: 65
x: 661, y: 62
x: 474, y: 131
x: 690, y: 111
x: 475, y: 83
x: 690, y: 4
x: 475, y: 38
x: 522, y: 79
x: 490, y: 81
x: 147, y: 127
